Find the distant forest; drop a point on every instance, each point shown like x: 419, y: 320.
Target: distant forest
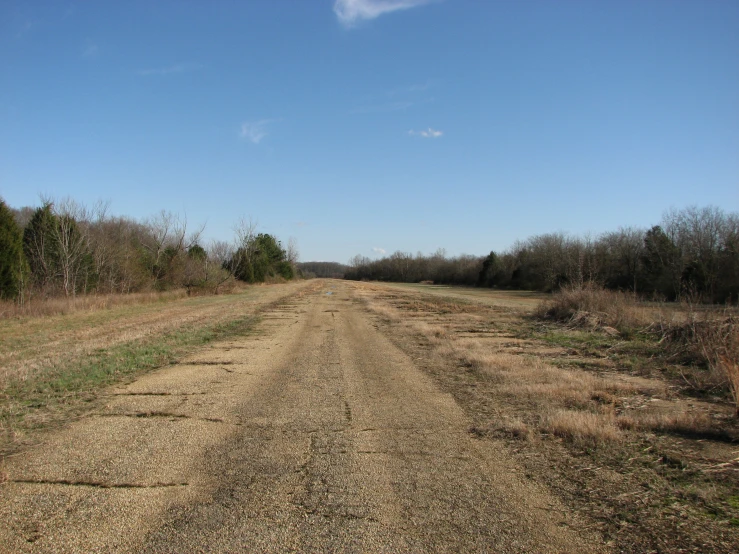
x: 332, y: 270
x: 694, y: 251
x: 63, y: 248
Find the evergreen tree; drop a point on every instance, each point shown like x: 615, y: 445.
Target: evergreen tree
x: 262, y: 257
x: 13, y: 266
x: 490, y: 275
x: 661, y: 261
x: 39, y: 246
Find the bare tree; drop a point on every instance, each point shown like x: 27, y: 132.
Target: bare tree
x: 245, y: 247
x: 222, y: 256
x: 167, y: 243
x: 293, y: 256
x: 72, y: 245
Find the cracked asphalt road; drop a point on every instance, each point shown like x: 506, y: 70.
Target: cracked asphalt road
x: 312, y: 434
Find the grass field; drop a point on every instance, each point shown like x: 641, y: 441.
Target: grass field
x: 613, y: 422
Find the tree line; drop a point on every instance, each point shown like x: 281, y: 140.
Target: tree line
x: 63, y: 248
x: 331, y: 270
x: 692, y: 251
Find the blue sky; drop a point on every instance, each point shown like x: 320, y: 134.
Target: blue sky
x: 357, y: 126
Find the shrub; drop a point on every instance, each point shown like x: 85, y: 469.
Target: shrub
x: 592, y: 306
x: 711, y: 339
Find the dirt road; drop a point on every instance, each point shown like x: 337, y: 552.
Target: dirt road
x: 313, y: 434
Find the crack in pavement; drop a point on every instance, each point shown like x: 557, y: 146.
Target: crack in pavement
x: 96, y: 484
x: 158, y: 393
x: 162, y: 414
x: 347, y: 412
x: 207, y: 362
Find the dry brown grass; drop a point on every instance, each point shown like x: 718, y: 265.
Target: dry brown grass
x: 509, y: 427
x: 704, y: 339
x: 730, y: 367
x: 582, y: 427
x: 575, y: 404
x: 578, y: 404
x: 680, y: 422
x: 31, y: 345
x: 44, y: 307
x: 598, y: 417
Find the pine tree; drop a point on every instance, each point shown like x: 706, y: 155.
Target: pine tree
x: 661, y: 261
x: 39, y: 246
x: 13, y: 266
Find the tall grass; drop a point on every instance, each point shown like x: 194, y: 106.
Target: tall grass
x: 44, y: 307
x: 699, y: 338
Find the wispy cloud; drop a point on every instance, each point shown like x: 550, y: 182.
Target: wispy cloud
x: 351, y: 12
x: 24, y: 27
x: 378, y: 250
x: 176, y: 68
x: 255, y: 131
x: 90, y: 51
x: 428, y: 133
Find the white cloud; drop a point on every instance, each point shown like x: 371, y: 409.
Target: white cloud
x: 378, y: 250
x: 176, y: 68
x: 350, y: 12
x: 255, y: 131
x: 428, y: 133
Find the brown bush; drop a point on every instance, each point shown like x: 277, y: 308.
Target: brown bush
x: 593, y: 307
x: 707, y: 338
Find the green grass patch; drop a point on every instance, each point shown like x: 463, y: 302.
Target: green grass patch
x: 66, y: 389
x: 591, y: 342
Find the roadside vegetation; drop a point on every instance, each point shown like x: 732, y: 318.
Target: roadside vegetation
x: 622, y: 408
x: 63, y: 249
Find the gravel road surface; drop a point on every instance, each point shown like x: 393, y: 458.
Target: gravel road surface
x: 311, y: 434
